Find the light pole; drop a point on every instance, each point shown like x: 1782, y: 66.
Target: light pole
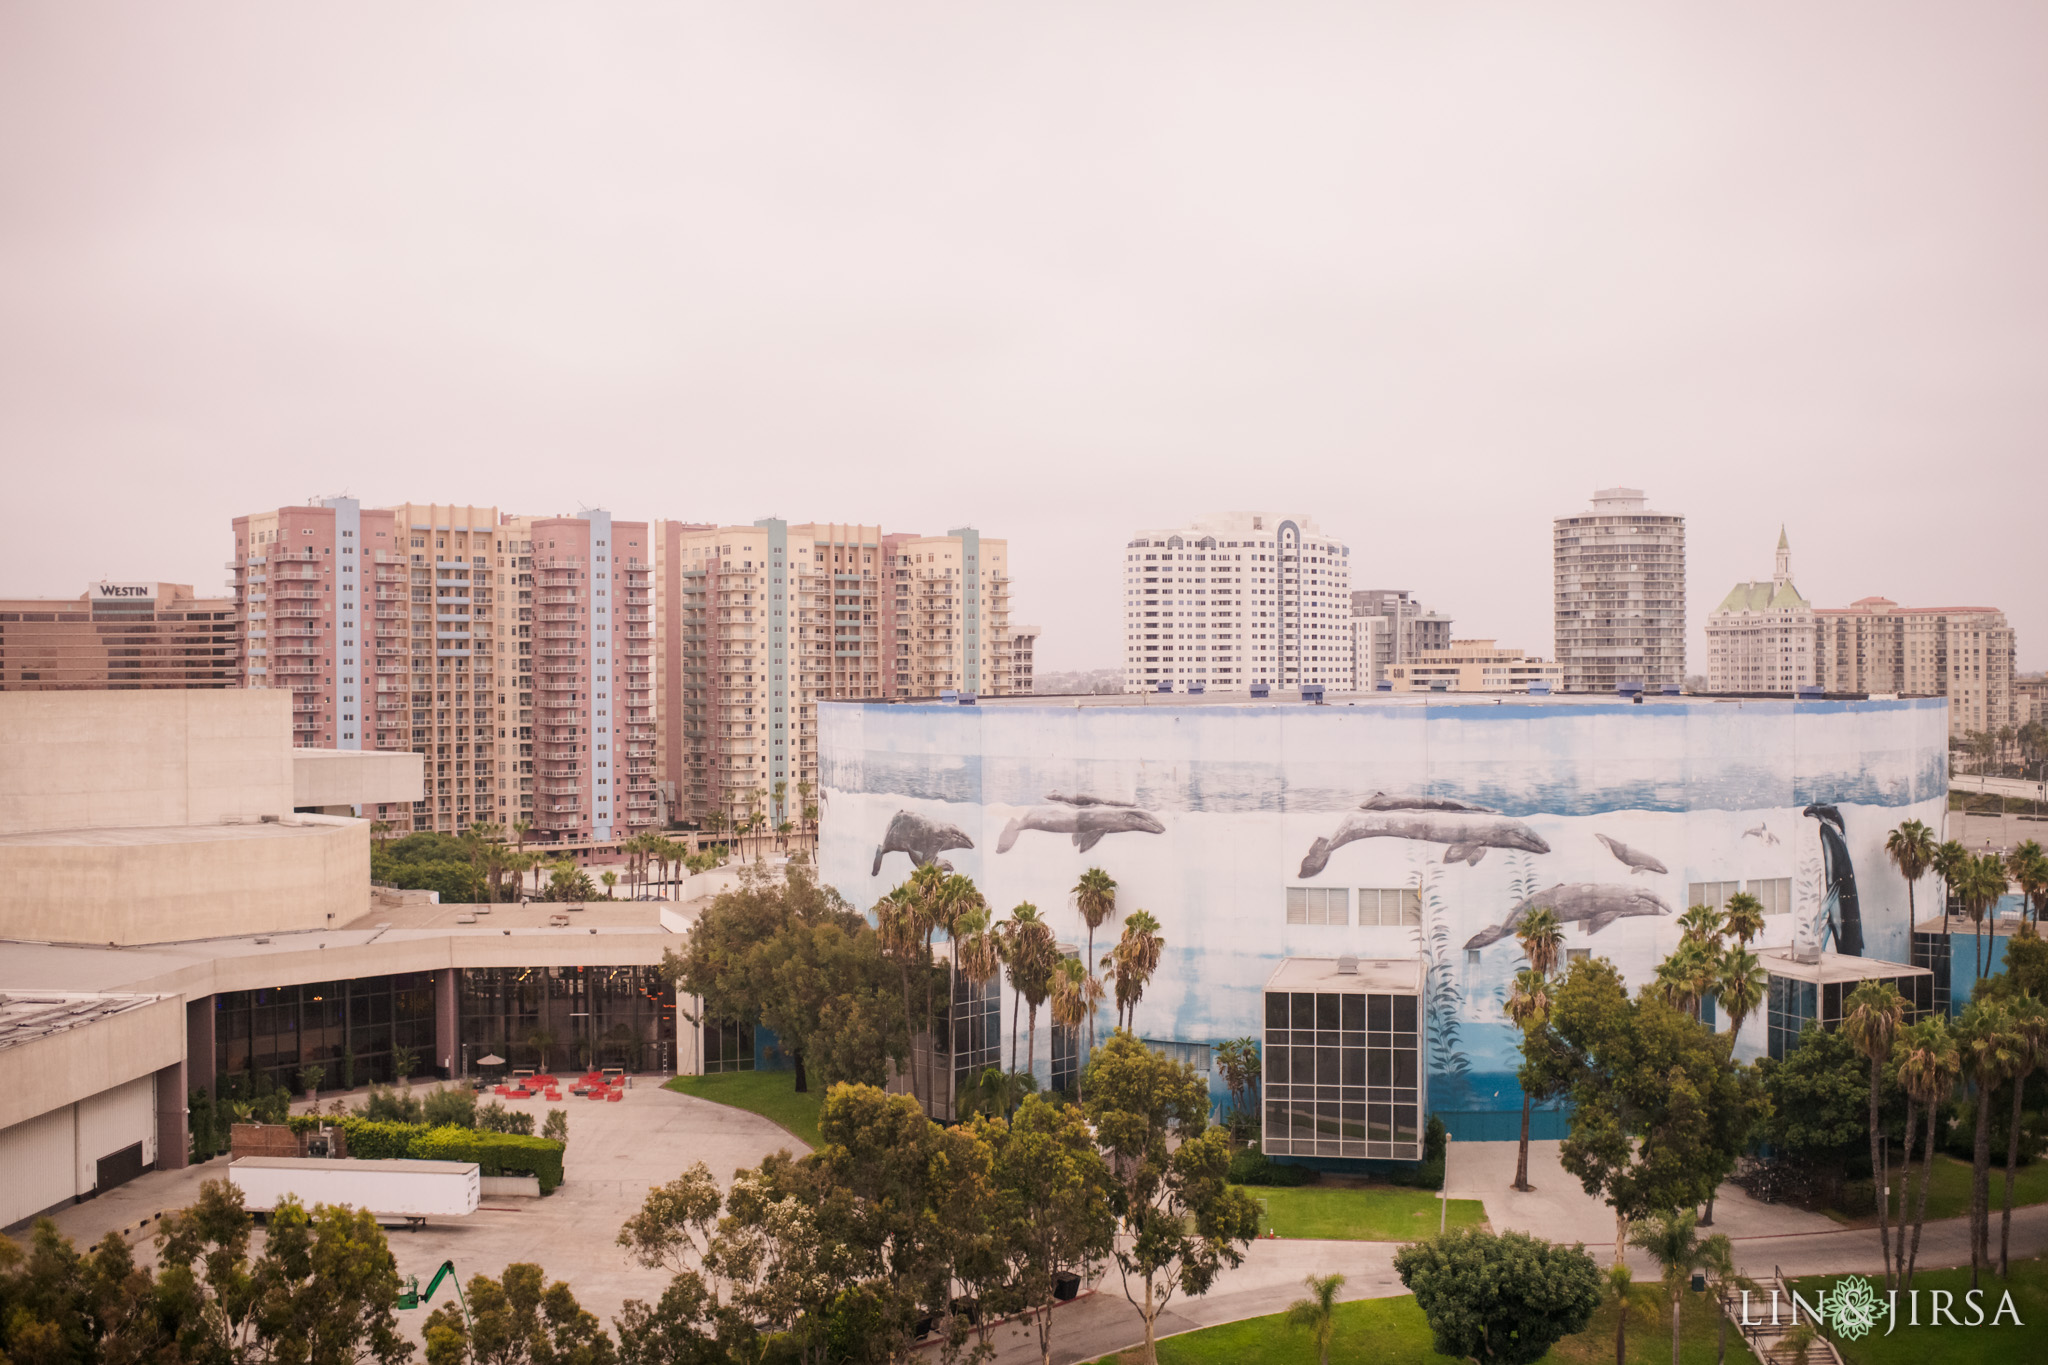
x: 1443, y: 1216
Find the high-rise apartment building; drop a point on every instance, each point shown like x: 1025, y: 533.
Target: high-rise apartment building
x: 1389, y: 627
x: 1023, y: 652
x: 760, y: 623
x: 1620, y: 594
x: 1761, y: 637
x: 1966, y: 654
x: 1235, y: 599
x: 117, y: 636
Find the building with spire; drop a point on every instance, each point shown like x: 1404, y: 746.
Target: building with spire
x: 1761, y: 637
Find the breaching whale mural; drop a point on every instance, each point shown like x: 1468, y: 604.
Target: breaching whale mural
x: 1390, y: 828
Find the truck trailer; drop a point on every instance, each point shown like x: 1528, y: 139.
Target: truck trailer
x: 391, y: 1190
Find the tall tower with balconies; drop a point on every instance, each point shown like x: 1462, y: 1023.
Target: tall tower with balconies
x: 1619, y: 584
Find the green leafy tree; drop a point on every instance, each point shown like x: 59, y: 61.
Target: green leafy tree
x: 518, y: 1319
x: 1055, y: 1192
x: 1674, y: 1243
x: 1180, y: 1222
x: 1819, y: 1105
x: 1501, y: 1298
x: 449, y: 1107
x: 1660, y: 1112
x: 1871, y: 1019
x: 1238, y: 1062
x: 556, y: 1129
x: 1317, y: 1314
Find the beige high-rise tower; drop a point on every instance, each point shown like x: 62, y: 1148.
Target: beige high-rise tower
x: 1619, y: 583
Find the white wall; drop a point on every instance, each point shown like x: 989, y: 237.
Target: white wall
x: 54, y: 1157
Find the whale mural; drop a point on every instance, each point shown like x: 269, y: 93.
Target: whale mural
x: 1637, y: 860
x: 1593, y: 904
x: 923, y: 839
x: 1469, y: 833
x: 1087, y: 818
x: 1843, y: 909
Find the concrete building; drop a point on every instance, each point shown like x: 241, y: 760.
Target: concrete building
x: 1388, y: 627
x: 1620, y: 594
x: 178, y: 921
x: 760, y: 623
x: 1762, y: 636
x: 1023, y: 648
x: 1290, y: 897
x: 1966, y: 654
x: 118, y: 635
x: 2030, y: 699
x: 1474, y: 666
x: 1234, y: 600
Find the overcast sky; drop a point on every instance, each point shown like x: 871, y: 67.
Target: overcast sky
x: 1428, y: 273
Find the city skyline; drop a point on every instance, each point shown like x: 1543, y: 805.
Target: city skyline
x: 629, y: 274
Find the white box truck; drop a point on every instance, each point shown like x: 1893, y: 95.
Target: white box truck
x: 392, y: 1190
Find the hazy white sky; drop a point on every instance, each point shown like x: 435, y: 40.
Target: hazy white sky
x: 1428, y: 272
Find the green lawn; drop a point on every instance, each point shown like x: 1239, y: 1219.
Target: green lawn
x: 1950, y: 1197
x: 1388, y: 1213
x: 771, y: 1094
x: 1984, y: 1345
x: 1394, y: 1332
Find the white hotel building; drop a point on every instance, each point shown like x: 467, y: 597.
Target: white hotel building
x: 1237, y: 599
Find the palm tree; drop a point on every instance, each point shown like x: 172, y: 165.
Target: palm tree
x: 1542, y: 940
x: 1743, y: 917
x: 2029, y: 868
x: 1075, y: 995
x: 1985, y: 1034
x: 899, y: 922
x: 1719, y: 1257
x: 1131, y: 963
x: 1095, y: 898
x: 1686, y: 974
x: 1928, y: 1067
x: 520, y: 829
x: 1317, y: 1313
x: 804, y: 788
x: 1911, y: 848
x: 1033, y: 959
x: 610, y: 880
x: 1528, y: 1005
x: 1870, y: 1021
x: 1701, y: 924
x: 1982, y: 883
x: 1673, y: 1241
x: 2029, y: 1054
x: 380, y: 831
x: 1951, y: 860
x: 1621, y: 1289
x: 1740, y: 986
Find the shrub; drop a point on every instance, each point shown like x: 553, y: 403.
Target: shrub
x: 372, y: 1140
x: 1251, y: 1167
x: 390, y: 1106
x: 494, y: 1153
x: 496, y: 1118
x: 556, y: 1129
x: 445, y: 1108
x: 1508, y: 1297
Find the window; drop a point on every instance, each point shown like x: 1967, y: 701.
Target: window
x: 1572, y: 955
x: 1318, y: 905
x: 1774, y: 894
x: 1342, y: 1075
x: 1713, y: 895
x: 1195, y: 1055
x: 1389, y: 905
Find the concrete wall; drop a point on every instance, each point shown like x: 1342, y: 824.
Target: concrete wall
x: 162, y: 885
x: 62, y: 1069
x: 340, y: 777
x: 97, y: 760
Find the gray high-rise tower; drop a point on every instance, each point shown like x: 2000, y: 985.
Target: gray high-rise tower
x: 1620, y: 592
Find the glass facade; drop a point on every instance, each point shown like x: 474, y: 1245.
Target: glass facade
x: 1066, y: 1058
x: 276, y: 1031
x: 1343, y: 1075
x: 728, y: 1046
x: 1931, y: 951
x: 1791, y: 1002
x: 975, y: 1030
x: 548, y: 1017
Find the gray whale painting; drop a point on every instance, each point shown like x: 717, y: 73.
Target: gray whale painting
x: 924, y: 840
x: 1469, y: 833
x: 1087, y: 818
x: 1593, y: 904
x: 1406, y: 801
x: 1637, y: 860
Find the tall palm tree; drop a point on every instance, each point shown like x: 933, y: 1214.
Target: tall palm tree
x: 1095, y: 898
x: 1911, y: 848
x: 1982, y: 883
x: 1870, y: 1021
x: 1076, y: 994
x: 1317, y: 1314
x: 1674, y: 1243
x: 1683, y: 976
x: 900, y: 923
x: 1928, y: 1067
x: 804, y: 788
x: 1702, y: 924
x: 1528, y: 1005
x: 1033, y: 958
x: 1985, y: 1034
x: 1950, y: 862
x: 1743, y: 917
x: 1542, y: 940
x: 1740, y: 986
x: 2028, y: 866
x: 1131, y: 964
x: 520, y: 829
x: 2029, y: 1054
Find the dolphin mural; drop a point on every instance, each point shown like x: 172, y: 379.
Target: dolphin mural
x: 1637, y: 860
x: 1468, y: 833
x: 1844, y: 912
x: 924, y: 840
x: 1087, y: 818
x: 1761, y: 833
x: 1593, y: 904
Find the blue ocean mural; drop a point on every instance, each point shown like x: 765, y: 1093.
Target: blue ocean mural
x: 1426, y: 828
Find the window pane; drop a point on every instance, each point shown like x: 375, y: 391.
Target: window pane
x: 1276, y: 1009
x: 1304, y: 1010
x: 1411, y: 906
x: 1297, y: 905
x: 1382, y: 1069
x: 1304, y: 1121
x: 1379, y: 1013
x: 1354, y: 1013
x: 1327, y: 1069
x: 1404, y: 1123
x: 1326, y: 1011
x: 1354, y: 1123
x: 1379, y: 1122
x: 1404, y: 1014
x: 1276, y: 1066
x: 1354, y: 1066
x: 1276, y: 1124
x: 1404, y: 1066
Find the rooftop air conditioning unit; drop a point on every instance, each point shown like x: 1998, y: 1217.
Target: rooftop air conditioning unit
x: 1347, y: 965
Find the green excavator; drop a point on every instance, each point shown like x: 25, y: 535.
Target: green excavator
x: 412, y: 1296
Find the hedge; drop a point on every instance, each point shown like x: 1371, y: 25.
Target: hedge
x: 494, y: 1153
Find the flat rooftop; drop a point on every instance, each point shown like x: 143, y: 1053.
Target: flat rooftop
x: 1963, y: 924
x: 1292, y: 698
x: 28, y: 1015
x: 1834, y: 967
x: 292, y: 827
x: 1394, y: 976
x: 642, y: 915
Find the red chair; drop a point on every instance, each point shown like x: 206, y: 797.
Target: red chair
x: 615, y: 1096
x: 554, y: 1094
x: 594, y: 1094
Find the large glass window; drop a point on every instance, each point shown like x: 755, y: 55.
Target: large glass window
x: 728, y: 1046
x: 975, y: 1030
x: 1343, y: 1075
x: 349, y: 1028
x: 563, y: 1017
x: 1791, y: 1003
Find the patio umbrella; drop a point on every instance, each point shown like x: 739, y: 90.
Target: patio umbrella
x: 490, y: 1059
